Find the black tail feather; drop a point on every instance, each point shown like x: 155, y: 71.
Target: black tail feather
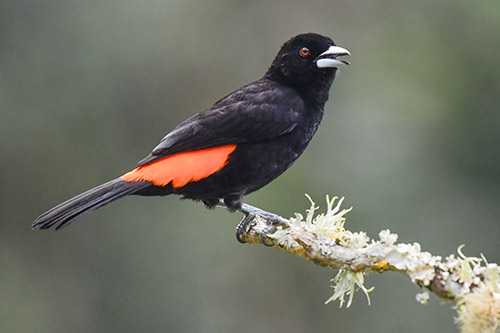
x: 64, y: 213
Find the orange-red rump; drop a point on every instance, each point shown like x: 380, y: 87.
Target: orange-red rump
x: 182, y: 168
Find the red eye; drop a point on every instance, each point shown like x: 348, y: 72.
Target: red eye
x: 304, y: 52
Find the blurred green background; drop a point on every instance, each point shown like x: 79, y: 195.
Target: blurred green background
x: 411, y: 137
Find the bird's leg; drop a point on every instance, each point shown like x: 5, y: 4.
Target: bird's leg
x: 233, y: 201
x: 243, y: 226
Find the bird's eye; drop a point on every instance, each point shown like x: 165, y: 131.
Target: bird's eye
x: 304, y: 52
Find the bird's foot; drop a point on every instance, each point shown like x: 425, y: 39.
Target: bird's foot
x: 243, y: 227
x: 235, y: 203
x: 249, y: 221
x: 271, y: 229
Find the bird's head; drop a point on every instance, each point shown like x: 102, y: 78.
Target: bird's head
x: 307, y: 61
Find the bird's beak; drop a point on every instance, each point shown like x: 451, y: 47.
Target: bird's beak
x: 328, y: 59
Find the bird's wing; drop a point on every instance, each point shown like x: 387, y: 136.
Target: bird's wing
x: 257, y: 112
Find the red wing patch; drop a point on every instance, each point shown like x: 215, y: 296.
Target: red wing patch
x: 182, y: 168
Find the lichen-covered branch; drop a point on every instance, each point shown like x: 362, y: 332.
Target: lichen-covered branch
x: 473, y: 283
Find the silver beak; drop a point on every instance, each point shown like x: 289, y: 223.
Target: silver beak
x: 328, y: 59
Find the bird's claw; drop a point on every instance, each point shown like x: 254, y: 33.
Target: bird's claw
x: 271, y: 229
x: 243, y: 227
x: 249, y: 221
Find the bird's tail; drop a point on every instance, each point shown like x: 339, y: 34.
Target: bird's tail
x: 64, y: 213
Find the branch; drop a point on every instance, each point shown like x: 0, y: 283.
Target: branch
x: 472, y: 283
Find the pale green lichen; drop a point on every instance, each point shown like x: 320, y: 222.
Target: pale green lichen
x: 345, y: 283
x: 418, y: 264
x: 331, y: 225
x: 423, y: 297
x: 478, y: 304
x: 472, y: 282
x: 467, y: 266
x: 387, y: 237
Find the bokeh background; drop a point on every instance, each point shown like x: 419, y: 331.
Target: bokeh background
x: 411, y: 137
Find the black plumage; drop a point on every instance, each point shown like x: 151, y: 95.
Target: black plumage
x: 270, y: 121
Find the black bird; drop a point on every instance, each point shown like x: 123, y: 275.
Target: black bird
x: 240, y: 144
